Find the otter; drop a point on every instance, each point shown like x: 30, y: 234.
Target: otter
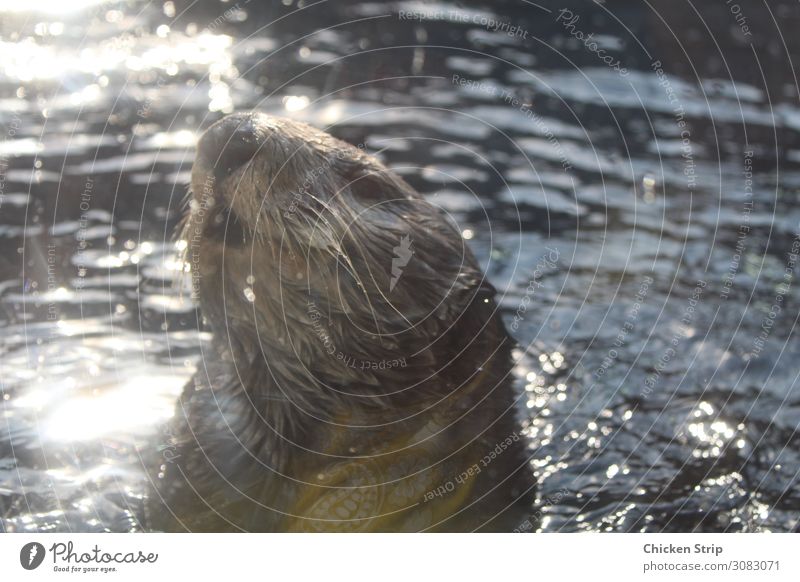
x: 360, y: 375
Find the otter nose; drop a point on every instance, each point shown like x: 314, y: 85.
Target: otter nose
x: 230, y: 143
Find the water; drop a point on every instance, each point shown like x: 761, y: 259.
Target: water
x: 638, y: 221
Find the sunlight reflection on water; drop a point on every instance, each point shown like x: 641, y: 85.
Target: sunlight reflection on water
x: 125, y: 106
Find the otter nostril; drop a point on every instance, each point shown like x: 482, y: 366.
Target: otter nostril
x: 230, y: 143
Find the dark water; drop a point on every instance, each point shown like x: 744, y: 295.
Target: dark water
x: 640, y: 222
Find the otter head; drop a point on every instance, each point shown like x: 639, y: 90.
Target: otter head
x: 310, y: 255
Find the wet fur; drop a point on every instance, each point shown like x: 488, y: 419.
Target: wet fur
x: 275, y: 432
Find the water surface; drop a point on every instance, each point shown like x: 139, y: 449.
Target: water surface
x: 633, y: 197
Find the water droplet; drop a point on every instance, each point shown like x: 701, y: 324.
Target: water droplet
x: 649, y: 187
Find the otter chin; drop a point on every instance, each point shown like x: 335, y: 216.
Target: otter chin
x: 360, y: 374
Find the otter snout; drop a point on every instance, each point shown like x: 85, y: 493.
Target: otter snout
x: 230, y: 143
